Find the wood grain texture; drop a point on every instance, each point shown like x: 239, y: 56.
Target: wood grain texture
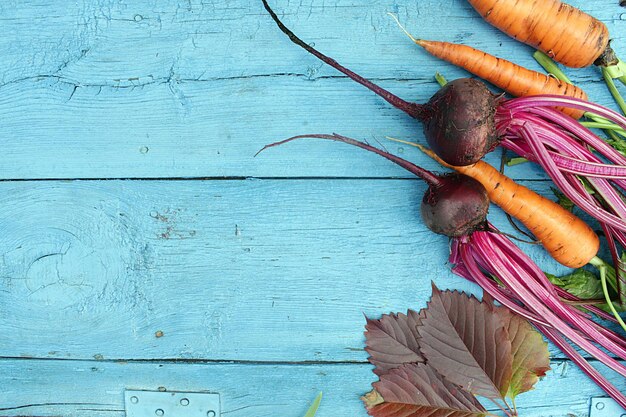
x: 115, y: 89
x: 229, y: 270
x: 96, y: 389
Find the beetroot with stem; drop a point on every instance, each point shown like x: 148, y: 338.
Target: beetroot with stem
x: 453, y: 205
x: 459, y: 120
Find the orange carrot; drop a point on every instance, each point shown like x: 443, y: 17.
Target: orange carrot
x: 567, y: 238
x: 564, y: 32
x: 510, y: 77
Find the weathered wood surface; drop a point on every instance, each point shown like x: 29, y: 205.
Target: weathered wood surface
x: 253, y: 288
x: 96, y: 389
x: 118, y: 89
x: 227, y: 270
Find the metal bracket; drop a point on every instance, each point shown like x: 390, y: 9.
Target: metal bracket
x: 605, y: 407
x: 171, y: 404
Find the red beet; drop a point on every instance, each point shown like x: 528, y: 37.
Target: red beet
x: 457, y: 207
x: 461, y: 128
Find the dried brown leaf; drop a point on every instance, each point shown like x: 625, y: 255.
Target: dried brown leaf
x: 372, y: 399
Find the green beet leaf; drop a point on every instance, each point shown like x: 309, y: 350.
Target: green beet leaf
x: 562, y: 199
x: 587, y: 286
x: 581, y: 283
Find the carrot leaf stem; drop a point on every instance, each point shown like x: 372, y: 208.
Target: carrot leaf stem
x: 549, y: 65
x: 613, y: 89
x: 440, y: 79
x: 516, y: 161
x: 604, y: 126
x: 617, y: 71
x: 601, y: 265
x: 609, y: 303
x: 314, y: 406
x: 612, y: 131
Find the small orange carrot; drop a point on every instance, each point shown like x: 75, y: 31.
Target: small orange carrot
x: 512, y: 78
x: 566, y: 237
x: 564, y: 32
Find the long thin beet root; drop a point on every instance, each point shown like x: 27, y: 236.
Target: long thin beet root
x: 413, y: 109
x: 427, y: 176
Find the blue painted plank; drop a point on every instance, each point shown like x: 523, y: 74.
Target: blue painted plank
x: 96, y: 389
x: 192, y: 89
x: 230, y: 270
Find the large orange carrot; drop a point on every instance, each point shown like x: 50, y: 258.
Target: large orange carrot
x: 567, y: 238
x: 510, y: 77
x: 564, y: 32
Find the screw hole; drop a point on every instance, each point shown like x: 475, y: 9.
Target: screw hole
x: 600, y: 406
x: 134, y: 399
x: 159, y: 412
x: 184, y: 401
x: 210, y: 413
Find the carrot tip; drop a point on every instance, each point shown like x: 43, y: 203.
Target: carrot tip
x: 394, y: 17
x: 417, y: 145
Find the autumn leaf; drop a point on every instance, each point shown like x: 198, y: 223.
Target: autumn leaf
x: 531, y: 358
x: 432, y: 363
x: 416, y: 390
x: 392, y: 341
x: 372, y: 399
x: 467, y: 343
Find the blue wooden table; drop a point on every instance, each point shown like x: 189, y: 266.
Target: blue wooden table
x: 143, y: 247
